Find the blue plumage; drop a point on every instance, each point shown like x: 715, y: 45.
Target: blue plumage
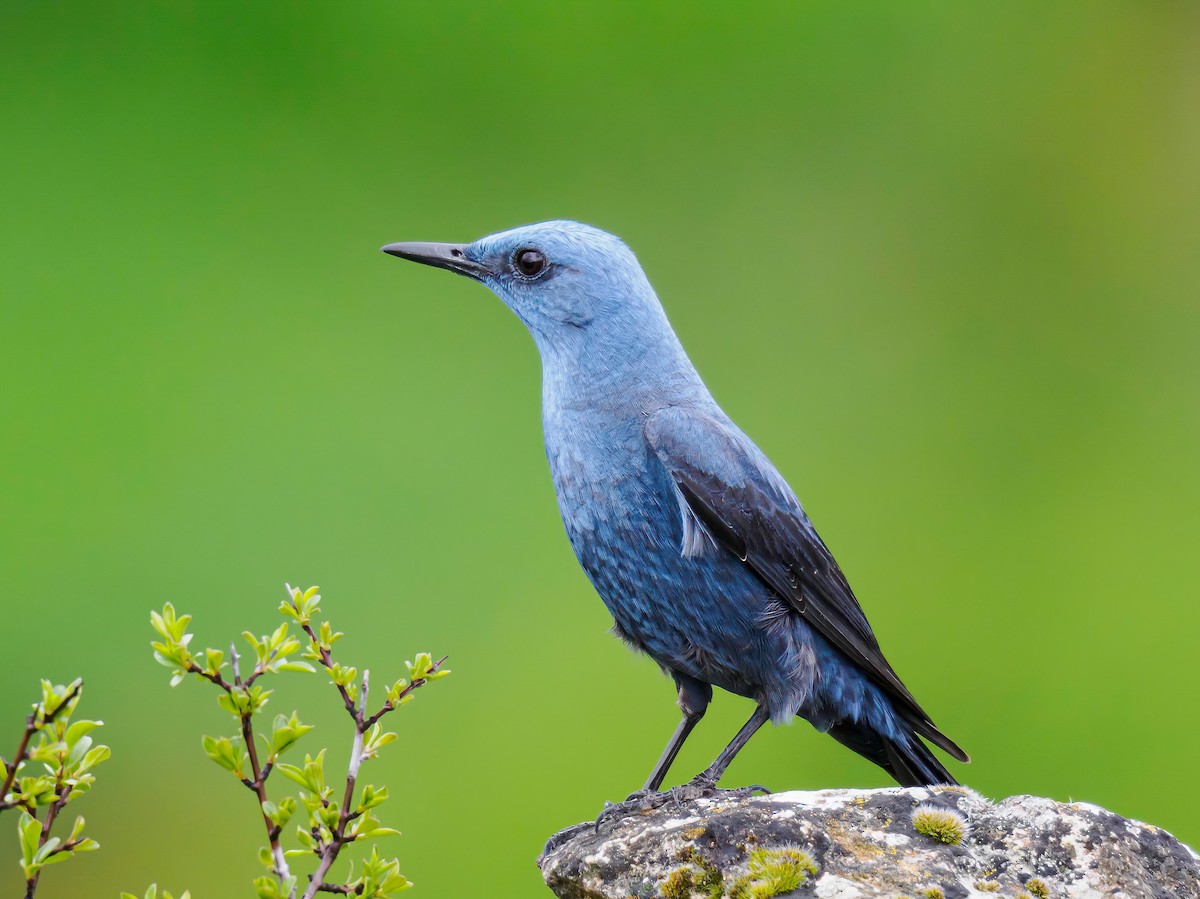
x: 693, y: 540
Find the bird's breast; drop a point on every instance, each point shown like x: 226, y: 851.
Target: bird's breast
x: 622, y: 516
x: 609, y: 491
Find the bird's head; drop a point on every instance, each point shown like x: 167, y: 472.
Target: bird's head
x: 571, y: 284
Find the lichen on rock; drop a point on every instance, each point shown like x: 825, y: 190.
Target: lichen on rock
x: 865, y: 844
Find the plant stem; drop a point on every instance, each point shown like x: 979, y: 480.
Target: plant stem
x: 327, y: 661
x: 63, y: 791
x: 32, y: 726
x: 419, y: 682
x: 259, y: 784
x: 330, y: 853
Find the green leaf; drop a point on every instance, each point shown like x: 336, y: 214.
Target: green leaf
x: 285, y: 732
x: 243, y: 701
x: 80, y: 785
x: 329, y: 815
x: 82, y: 745
x: 341, y: 676
x: 227, y: 752
x: 301, y: 605
x: 29, y: 830
x: 368, y: 826
x: 55, y: 702
x: 172, y: 628
x: 305, y: 838
x: 285, y: 665
x: 255, y: 643
x: 381, y: 878
x: 422, y: 668
x: 38, y: 790
x: 292, y: 773
x: 267, y: 887
x: 394, y: 691
x: 314, y: 772
x: 378, y: 832
x: 280, y: 814
x: 326, y: 636
x: 94, y: 757
x: 419, y: 668
x: 376, y: 739
x: 214, y: 660
x: 39, y: 857
x: 80, y: 729
x: 372, y: 797
x: 159, y: 624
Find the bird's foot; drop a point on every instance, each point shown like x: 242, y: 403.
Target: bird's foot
x: 747, y: 792
x: 639, y: 801
x: 699, y: 787
x: 704, y: 787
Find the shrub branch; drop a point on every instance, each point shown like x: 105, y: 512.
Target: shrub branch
x: 331, y: 825
x: 66, y: 755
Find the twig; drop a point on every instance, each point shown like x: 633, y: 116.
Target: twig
x: 419, y: 682
x: 362, y: 723
x: 63, y: 791
x: 329, y: 852
x: 32, y: 726
x: 259, y: 784
x: 327, y: 661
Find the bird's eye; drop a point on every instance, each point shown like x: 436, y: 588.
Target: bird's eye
x: 530, y: 263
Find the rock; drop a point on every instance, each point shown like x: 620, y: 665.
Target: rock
x: 914, y: 843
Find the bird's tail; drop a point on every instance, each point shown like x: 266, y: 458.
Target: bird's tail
x: 906, y: 758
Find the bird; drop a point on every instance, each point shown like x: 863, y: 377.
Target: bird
x: 695, y: 543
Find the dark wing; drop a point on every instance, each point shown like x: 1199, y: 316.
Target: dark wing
x: 744, y: 506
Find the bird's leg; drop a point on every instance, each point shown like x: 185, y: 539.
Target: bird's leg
x: 694, y: 697
x: 703, y: 784
x: 693, y: 700
x: 706, y: 781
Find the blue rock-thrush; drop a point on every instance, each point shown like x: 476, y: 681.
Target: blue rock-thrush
x: 696, y: 544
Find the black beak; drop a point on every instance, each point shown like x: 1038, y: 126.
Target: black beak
x: 450, y: 256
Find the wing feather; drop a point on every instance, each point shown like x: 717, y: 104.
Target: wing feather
x: 746, y: 507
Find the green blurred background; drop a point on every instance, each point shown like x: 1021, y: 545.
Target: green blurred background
x: 939, y: 259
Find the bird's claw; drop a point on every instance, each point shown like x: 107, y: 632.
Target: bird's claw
x: 649, y: 800
x: 641, y: 800
x: 748, y: 792
x: 704, y: 787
